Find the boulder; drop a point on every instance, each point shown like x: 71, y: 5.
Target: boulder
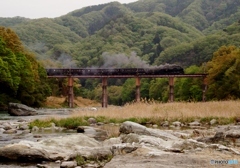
x: 177, y: 124
x: 121, y: 149
x: 232, y: 134
x: 145, y: 157
x: 213, y: 121
x: 68, y: 164
x: 16, y: 109
x: 195, y: 123
x: 165, y: 124
x: 112, y: 141
x: 57, y: 148
x: 92, y: 121
x: 224, y: 135
x: 233, y: 137
x: 96, y: 133
x: 130, y: 127
x: 17, y: 152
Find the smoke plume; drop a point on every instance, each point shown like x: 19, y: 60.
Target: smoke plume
x: 66, y: 61
x: 123, y: 61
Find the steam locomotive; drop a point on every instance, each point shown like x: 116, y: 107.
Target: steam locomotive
x: 169, y: 69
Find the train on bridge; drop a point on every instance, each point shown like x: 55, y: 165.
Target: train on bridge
x: 168, y: 69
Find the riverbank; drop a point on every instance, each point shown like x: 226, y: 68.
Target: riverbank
x: 150, y: 112
x: 134, y: 146
x: 170, y: 134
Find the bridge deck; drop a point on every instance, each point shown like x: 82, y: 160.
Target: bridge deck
x: 130, y: 76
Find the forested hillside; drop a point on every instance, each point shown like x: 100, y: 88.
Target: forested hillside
x: 153, y: 32
x: 149, y: 27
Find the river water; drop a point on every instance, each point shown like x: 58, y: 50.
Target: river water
x: 14, y: 138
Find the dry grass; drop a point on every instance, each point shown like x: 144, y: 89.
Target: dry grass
x: 146, y: 112
x: 54, y: 102
x: 112, y: 130
x: 58, y: 102
x: 170, y: 111
x: 82, y: 102
x: 149, y: 111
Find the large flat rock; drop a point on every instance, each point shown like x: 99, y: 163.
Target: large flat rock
x: 16, y: 109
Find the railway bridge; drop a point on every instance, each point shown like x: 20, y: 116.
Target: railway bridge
x: 122, y: 73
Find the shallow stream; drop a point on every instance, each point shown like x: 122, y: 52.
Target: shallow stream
x: 6, y: 139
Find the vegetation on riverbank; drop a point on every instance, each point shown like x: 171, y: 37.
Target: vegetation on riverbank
x: 150, y: 112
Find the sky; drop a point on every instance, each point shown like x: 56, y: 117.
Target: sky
x: 46, y: 8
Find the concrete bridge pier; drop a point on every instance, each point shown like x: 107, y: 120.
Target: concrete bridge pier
x: 70, y: 92
x: 104, y: 93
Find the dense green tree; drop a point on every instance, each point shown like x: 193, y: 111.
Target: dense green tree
x: 24, y: 79
x: 26, y: 86
x: 10, y: 69
x: 144, y: 88
x: 5, y: 74
x: 224, y: 74
x: 189, y: 89
x: 159, y: 89
x: 114, y: 95
x: 96, y: 93
x: 128, y: 91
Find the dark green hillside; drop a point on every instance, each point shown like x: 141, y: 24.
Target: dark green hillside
x: 9, y: 22
x: 45, y: 31
x: 146, y: 34
x: 87, y: 33
x: 88, y: 20
x: 201, y: 14
x: 202, y: 49
x: 151, y: 28
x: 171, y: 7
x: 223, y: 23
x: 46, y: 38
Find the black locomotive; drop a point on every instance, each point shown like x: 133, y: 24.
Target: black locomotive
x: 169, y: 69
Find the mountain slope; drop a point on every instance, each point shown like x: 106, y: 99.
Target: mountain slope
x: 154, y: 29
x: 198, y: 13
x: 146, y: 34
x: 201, y: 50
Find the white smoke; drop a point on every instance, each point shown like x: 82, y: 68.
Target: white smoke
x: 123, y: 61
x: 66, y: 61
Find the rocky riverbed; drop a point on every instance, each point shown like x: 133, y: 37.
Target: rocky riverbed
x: 137, y: 146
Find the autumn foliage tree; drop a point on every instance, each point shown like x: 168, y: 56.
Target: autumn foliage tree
x: 23, y: 79
x: 224, y: 74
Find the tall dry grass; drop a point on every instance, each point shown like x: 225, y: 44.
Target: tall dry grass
x: 169, y: 111
x: 58, y: 102
x: 145, y: 112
